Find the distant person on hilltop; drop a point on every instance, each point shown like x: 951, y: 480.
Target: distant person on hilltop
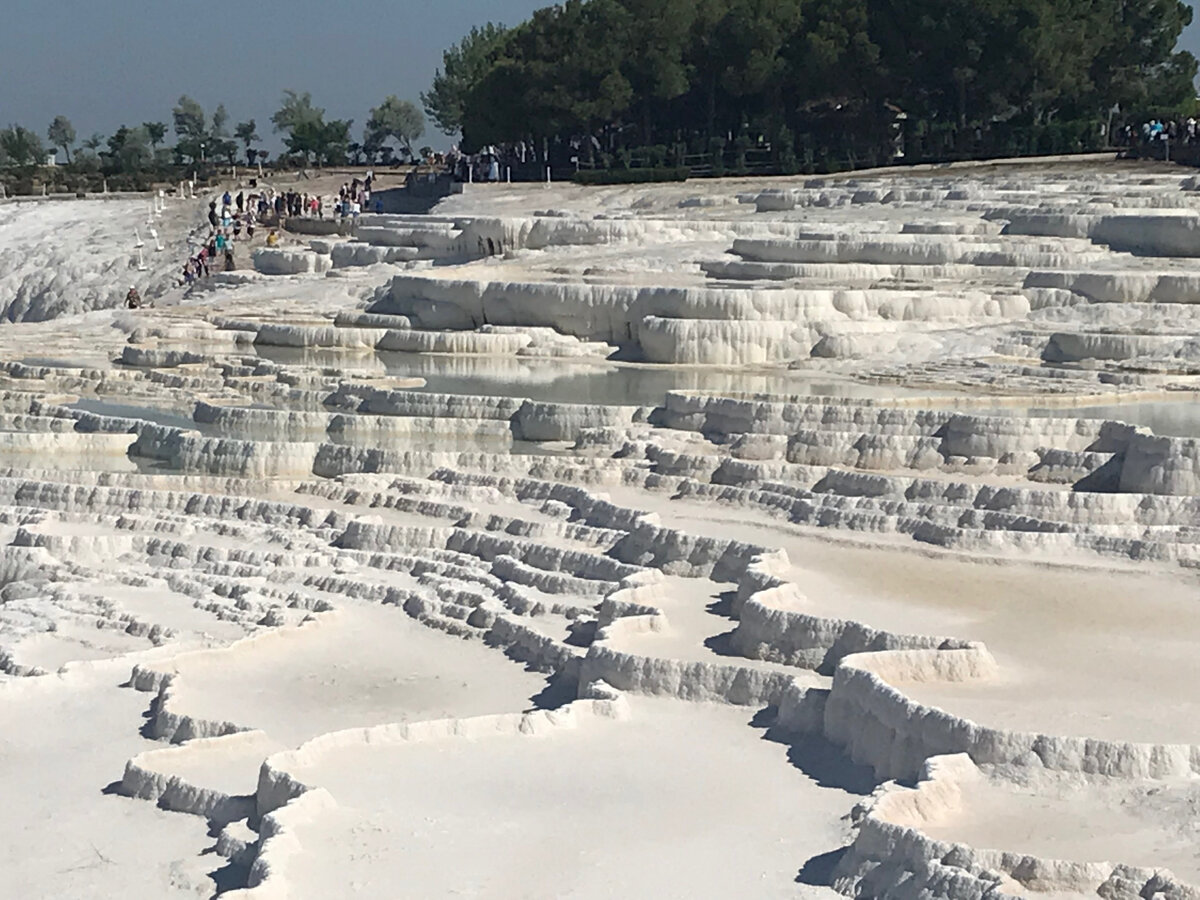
x: 133, y: 300
x: 212, y: 214
x: 272, y: 238
x: 241, y: 200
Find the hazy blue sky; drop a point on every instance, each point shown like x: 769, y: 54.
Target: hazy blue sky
x: 103, y: 64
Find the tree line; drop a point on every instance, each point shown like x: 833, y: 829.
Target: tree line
x: 851, y: 81
x: 134, y: 157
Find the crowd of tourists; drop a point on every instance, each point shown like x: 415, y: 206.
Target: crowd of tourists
x: 1155, y: 130
x: 227, y: 222
x: 354, y: 197
x: 234, y: 219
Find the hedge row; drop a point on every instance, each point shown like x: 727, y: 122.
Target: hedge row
x: 632, y: 176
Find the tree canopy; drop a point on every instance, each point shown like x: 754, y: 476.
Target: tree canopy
x: 663, y: 71
x: 247, y: 133
x: 191, y: 126
x: 21, y: 147
x: 62, y: 134
x: 463, y: 66
x: 396, y: 119
x: 296, y: 110
x: 129, y: 150
x: 306, y: 133
x: 156, y: 132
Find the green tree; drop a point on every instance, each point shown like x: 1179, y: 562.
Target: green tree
x: 221, y: 146
x: 94, y: 143
x: 557, y: 73
x: 22, y: 147
x: 191, y: 125
x: 220, y: 119
x: 295, y: 111
x: 247, y: 133
x: 319, y: 141
x: 129, y: 151
x: 653, y: 56
x: 463, y: 67
x: 824, y: 79
x: 1138, y: 67
x: 62, y: 134
x: 335, y: 141
x: 373, y: 146
x: 395, y: 119
x: 307, y: 134
x: 156, y: 132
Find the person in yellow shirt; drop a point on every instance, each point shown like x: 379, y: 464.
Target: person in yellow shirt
x: 272, y: 238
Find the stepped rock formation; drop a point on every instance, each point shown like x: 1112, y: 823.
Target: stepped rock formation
x: 479, y: 552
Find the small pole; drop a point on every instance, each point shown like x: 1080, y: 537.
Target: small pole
x: 141, y: 262
x: 508, y: 174
x: 260, y: 172
x: 547, y: 176
x: 158, y: 245
x: 138, y: 237
x: 106, y: 185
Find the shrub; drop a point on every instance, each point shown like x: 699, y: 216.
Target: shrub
x: 716, y: 149
x: 632, y: 176
x: 741, y: 146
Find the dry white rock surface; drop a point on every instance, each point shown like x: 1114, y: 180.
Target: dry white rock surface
x: 560, y: 541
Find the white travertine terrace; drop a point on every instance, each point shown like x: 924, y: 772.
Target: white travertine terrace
x: 478, y: 552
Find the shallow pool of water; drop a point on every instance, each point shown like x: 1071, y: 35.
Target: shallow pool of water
x: 133, y: 411
x: 571, y: 381
x: 1174, y: 418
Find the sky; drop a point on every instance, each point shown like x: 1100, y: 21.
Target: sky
x: 104, y: 64
x: 113, y: 62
